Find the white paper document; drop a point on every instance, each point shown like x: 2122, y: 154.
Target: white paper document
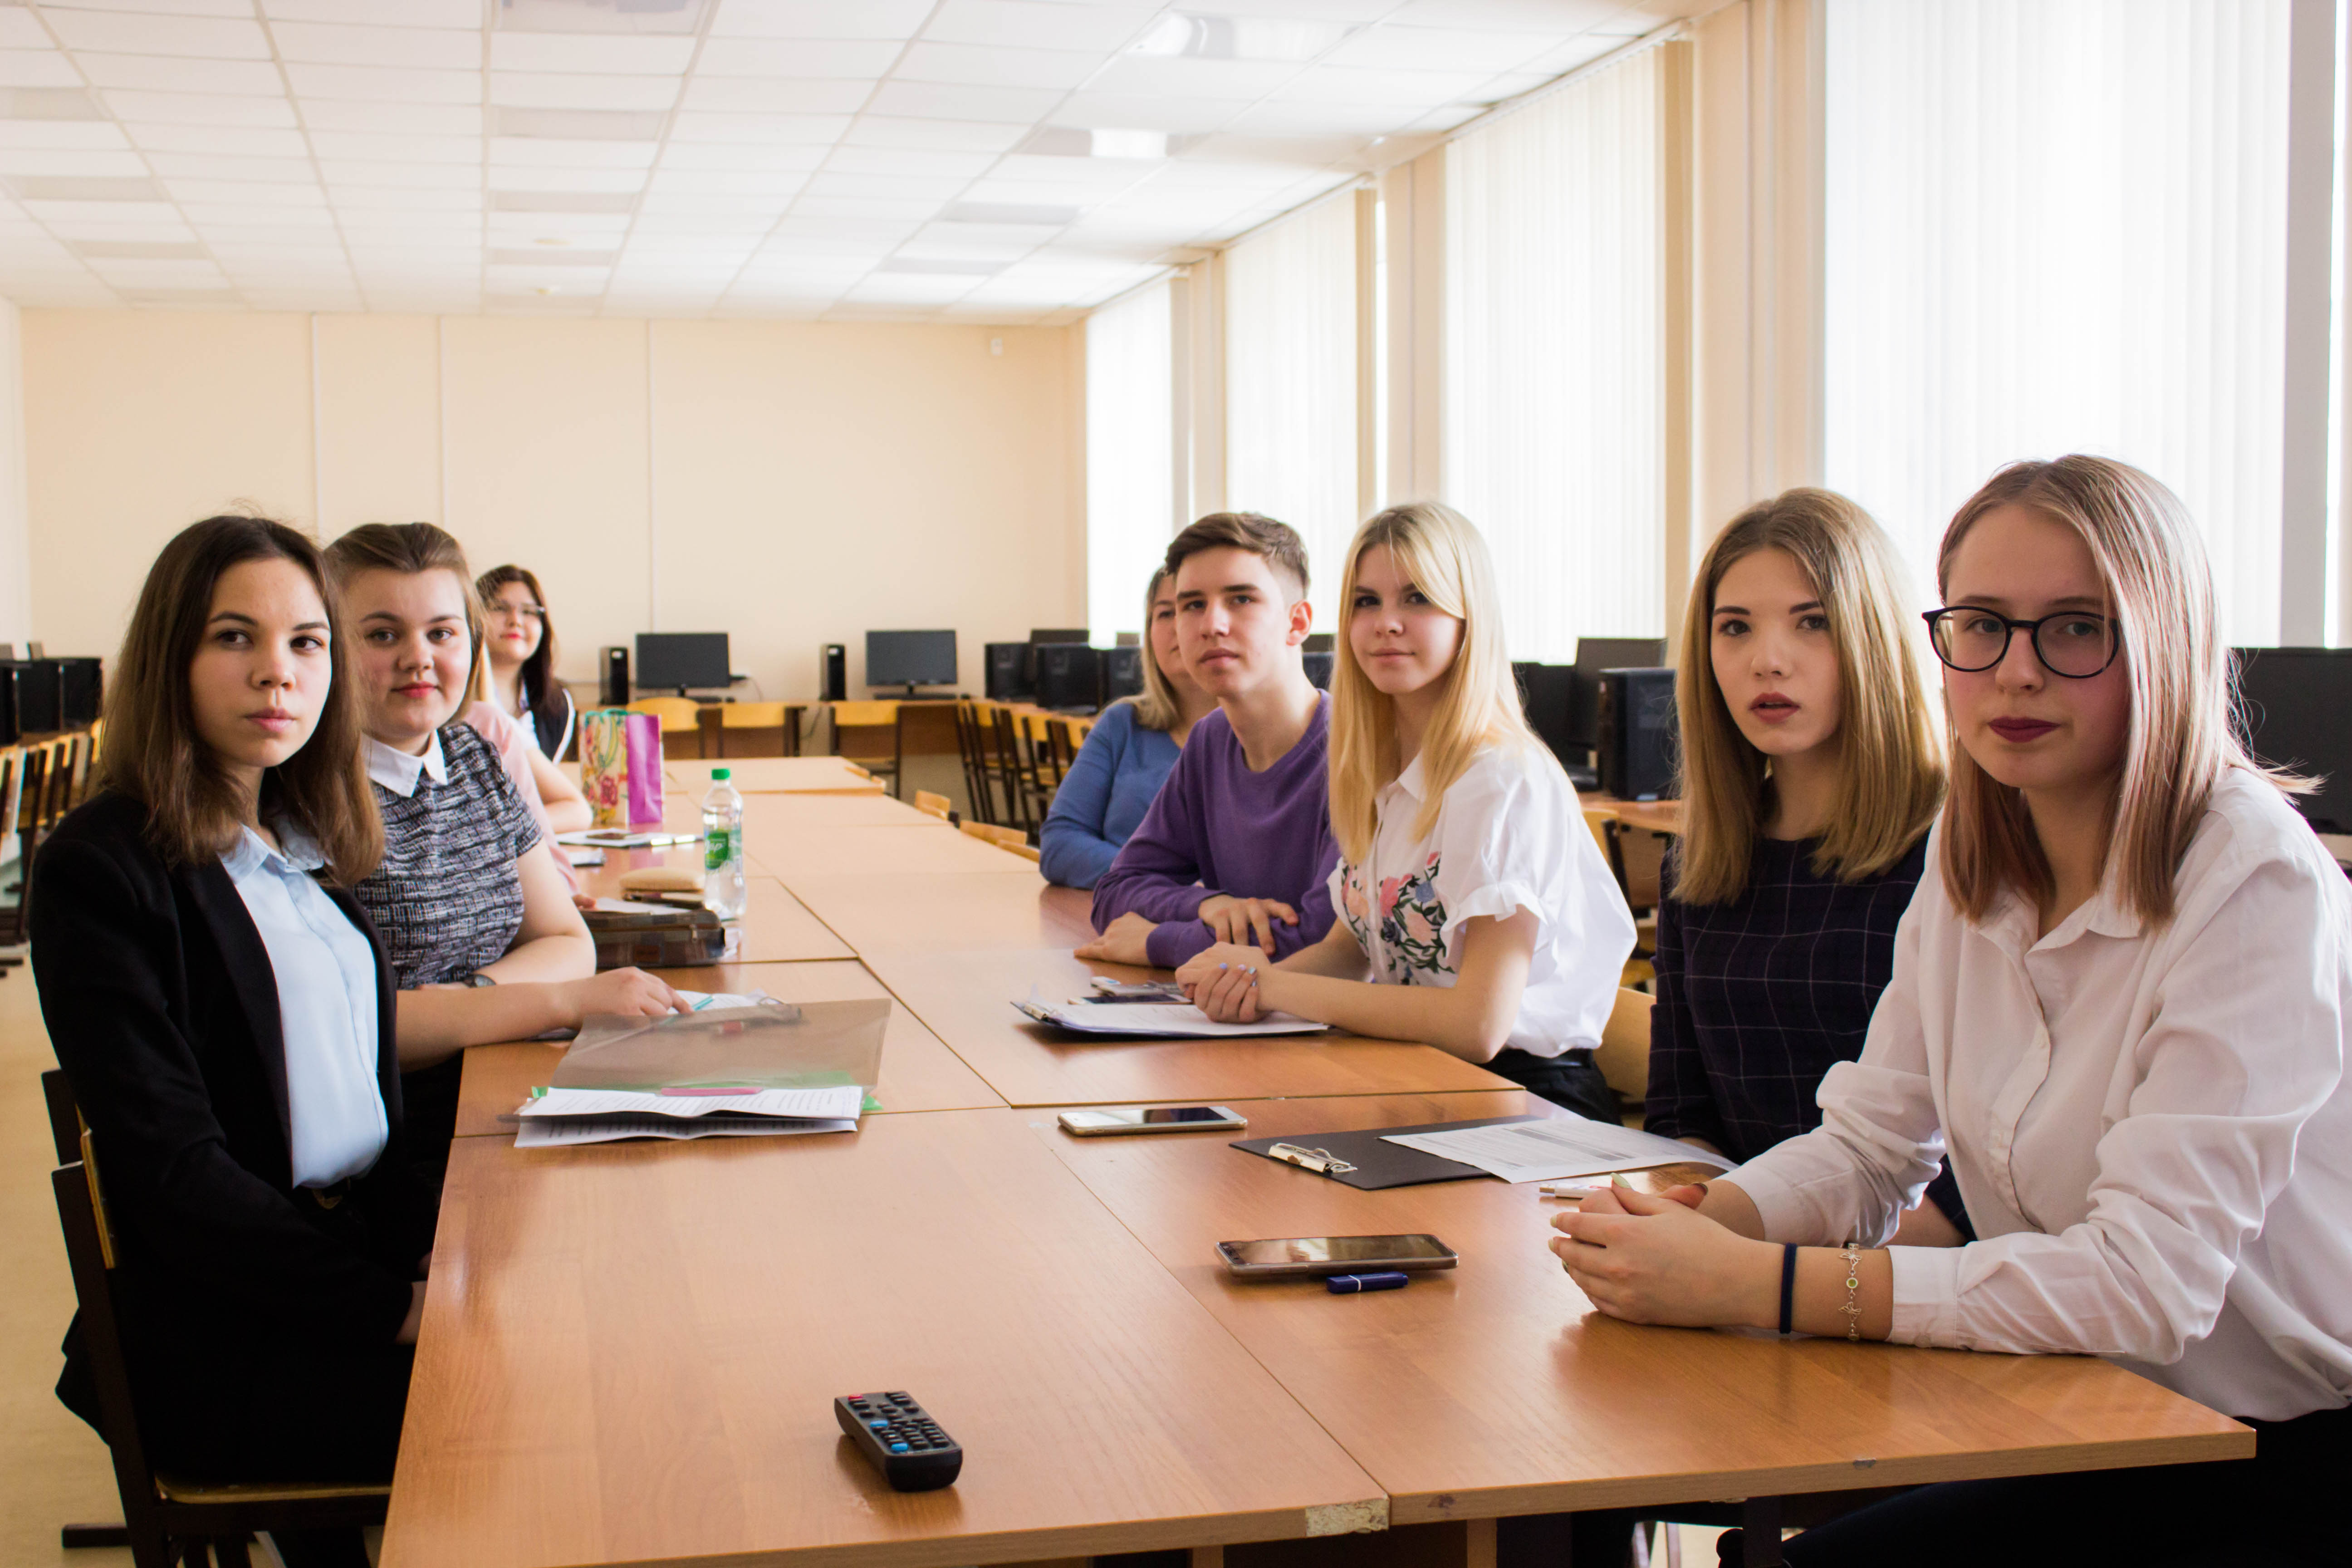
x: 1549, y: 1149
x: 804, y: 1104
x: 1155, y: 1020
x: 557, y: 1132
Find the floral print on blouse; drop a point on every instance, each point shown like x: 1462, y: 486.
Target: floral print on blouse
x: 1411, y: 923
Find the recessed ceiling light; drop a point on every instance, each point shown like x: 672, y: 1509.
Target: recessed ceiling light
x: 49, y: 103
x: 139, y: 250
x: 73, y: 188
x: 563, y: 200
x: 1238, y: 38
x: 535, y: 258
x: 580, y: 124
x: 600, y: 16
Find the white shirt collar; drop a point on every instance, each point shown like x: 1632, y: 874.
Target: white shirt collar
x: 397, y: 771
x: 296, y: 853
x: 1413, y: 780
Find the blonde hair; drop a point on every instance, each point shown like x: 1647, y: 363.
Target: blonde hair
x: 1439, y: 551
x: 1890, y: 775
x: 409, y: 549
x: 1156, y: 706
x: 2160, y: 587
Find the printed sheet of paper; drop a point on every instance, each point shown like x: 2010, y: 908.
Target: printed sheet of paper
x: 541, y: 1133
x: 830, y: 1104
x: 1156, y: 1020
x: 1555, y: 1148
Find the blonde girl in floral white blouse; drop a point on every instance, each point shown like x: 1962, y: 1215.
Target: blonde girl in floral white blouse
x: 1476, y: 912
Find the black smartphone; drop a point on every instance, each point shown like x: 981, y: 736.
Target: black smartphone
x: 1300, y: 1257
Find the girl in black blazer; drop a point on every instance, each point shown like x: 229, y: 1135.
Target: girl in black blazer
x: 245, y: 1110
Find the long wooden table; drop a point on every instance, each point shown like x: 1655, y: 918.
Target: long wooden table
x: 629, y: 1351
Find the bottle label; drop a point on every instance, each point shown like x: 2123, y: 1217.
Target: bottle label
x: 715, y: 854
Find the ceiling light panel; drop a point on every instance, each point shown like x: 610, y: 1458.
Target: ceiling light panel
x: 444, y: 176
x: 22, y: 106
x: 393, y: 119
x: 71, y: 161
x: 43, y: 68
x: 578, y: 124
x: 194, y: 193
x: 385, y: 84
x: 528, y: 90
x: 1219, y: 37
x: 211, y: 166
x: 723, y: 155
x: 819, y: 18
x: 524, y: 152
x: 729, y: 182
x: 756, y: 130
x: 227, y: 139
x: 540, y: 179
x: 599, y: 55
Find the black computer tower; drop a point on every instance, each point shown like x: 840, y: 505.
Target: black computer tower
x: 616, y: 678
x: 1070, y: 676
x: 1547, y: 696
x: 1007, y: 674
x: 78, y: 691
x: 1635, y: 728
x: 833, y: 673
x: 1319, y: 668
x: 1122, y: 673
x: 40, y: 697
x: 11, y: 680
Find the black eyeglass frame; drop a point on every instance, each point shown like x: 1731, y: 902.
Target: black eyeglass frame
x: 2033, y: 630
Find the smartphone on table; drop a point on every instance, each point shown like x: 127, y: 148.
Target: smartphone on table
x: 1111, y: 1120
x: 1301, y: 1256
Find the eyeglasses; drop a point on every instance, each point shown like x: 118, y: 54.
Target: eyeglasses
x: 2074, y: 643
x: 519, y: 612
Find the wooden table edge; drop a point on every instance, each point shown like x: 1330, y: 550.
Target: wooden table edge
x: 1738, y: 1485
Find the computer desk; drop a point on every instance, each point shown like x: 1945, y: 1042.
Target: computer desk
x: 629, y: 1351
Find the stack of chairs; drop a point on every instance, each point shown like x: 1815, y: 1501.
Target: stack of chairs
x: 1013, y: 759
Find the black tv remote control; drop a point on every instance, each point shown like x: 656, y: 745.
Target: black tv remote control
x: 901, y: 1440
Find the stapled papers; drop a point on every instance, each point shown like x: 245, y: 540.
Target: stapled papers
x: 1154, y: 1020
x: 1551, y: 1148
x: 554, y: 1118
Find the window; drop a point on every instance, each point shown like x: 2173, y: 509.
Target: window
x: 2056, y: 228
x: 1554, y: 358
x: 1290, y: 384
x: 1129, y: 436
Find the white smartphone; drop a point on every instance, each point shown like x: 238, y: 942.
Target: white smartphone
x: 1113, y: 1120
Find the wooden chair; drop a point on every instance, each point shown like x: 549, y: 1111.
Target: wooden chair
x: 937, y: 806
x: 1638, y: 857
x: 755, y: 730
x: 860, y: 731
x: 1006, y: 838
x: 975, y: 738
x: 1624, y: 1057
x: 12, y: 921
x: 681, y: 719
x: 1014, y: 773
x: 166, y: 1520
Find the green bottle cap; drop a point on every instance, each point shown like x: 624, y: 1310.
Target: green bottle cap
x: 718, y: 773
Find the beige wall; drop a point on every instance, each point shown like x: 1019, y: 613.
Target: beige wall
x: 16, y: 545
x: 790, y: 483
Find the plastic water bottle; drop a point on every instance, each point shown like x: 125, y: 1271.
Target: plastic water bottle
x: 722, y: 847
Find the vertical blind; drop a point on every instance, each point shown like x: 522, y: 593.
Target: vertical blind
x: 1290, y: 384
x: 2059, y: 226
x: 1554, y: 358
x: 1130, y: 483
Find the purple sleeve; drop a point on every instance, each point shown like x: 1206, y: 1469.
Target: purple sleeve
x: 1174, y: 942
x: 1158, y: 872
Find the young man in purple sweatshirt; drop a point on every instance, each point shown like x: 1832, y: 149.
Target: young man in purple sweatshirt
x: 1238, y: 846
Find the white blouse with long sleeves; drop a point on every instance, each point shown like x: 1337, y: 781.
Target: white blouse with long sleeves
x: 1509, y: 835
x: 2150, y: 1125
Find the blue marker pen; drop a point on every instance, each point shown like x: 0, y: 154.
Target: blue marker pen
x: 1355, y: 1284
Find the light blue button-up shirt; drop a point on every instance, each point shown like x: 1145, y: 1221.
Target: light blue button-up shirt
x: 326, y: 1003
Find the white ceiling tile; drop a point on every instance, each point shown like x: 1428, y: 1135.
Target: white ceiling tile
x: 933, y: 100
x: 1343, y: 84
x: 70, y: 161
x: 442, y: 176
x: 692, y: 127
x: 907, y: 214
x: 1445, y: 118
x: 525, y: 90
x: 527, y: 152
x: 774, y: 183
x: 913, y: 288
x: 1577, y: 51
x: 155, y: 73
x: 1326, y: 119
x: 230, y: 140
x: 910, y: 166
x: 1177, y: 116
x: 193, y: 38
x: 886, y: 186
x: 386, y: 84
x: 89, y: 133
x: 816, y: 223
x: 582, y: 229
x: 408, y: 198
x: 1244, y: 80
x: 1203, y: 168
x: 1306, y: 10
x: 103, y: 228
x: 181, y: 274
x: 1440, y: 48
x: 945, y: 135
x: 546, y: 179
x: 985, y: 66
x: 372, y: 146
x: 330, y: 43
x: 35, y: 68
x: 1088, y: 173
x: 192, y: 194
x: 1018, y: 235
x: 308, y: 252
x: 20, y: 30
x: 305, y: 300
x: 392, y: 119
x: 701, y: 215
x: 1031, y: 24
x: 1557, y: 16
x: 710, y: 156
x: 212, y: 166
x: 56, y: 213
x: 404, y: 14
x: 767, y: 96
x: 249, y: 214
x: 819, y: 18
x: 589, y: 54
x: 228, y: 237
x: 920, y: 250
x: 816, y: 60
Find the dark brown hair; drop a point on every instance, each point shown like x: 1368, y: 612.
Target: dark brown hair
x: 542, y: 694
x: 152, y: 752
x: 410, y: 548
x: 1277, y: 543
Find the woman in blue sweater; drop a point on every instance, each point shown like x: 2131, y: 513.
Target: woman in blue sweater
x: 1127, y: 756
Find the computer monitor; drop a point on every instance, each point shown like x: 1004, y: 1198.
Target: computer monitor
x: 1546, y: 691
x: 1069, y: 677
x: 910, y: 660
x: 1122, y: 668
x: 2298, y: 704
x: 1594, y: 655
x: 1319, y: 663
x: 677, y: 660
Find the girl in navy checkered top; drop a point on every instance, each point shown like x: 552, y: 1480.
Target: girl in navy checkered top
x: 475, y: 911
x: 1810, y: 773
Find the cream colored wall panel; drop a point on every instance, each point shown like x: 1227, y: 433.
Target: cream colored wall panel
x: 379, y: 420
x: 137, y: 424
x: 818, y: 480
x: 547, y: 452
x: 16, y: 540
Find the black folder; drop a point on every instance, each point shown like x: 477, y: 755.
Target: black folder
x: 1379, y: 1165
